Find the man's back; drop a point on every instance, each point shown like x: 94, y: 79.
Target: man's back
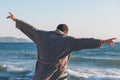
x: 52, y: 59
x: 53, y: 45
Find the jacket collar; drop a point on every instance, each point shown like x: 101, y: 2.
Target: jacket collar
x: 59, y: 32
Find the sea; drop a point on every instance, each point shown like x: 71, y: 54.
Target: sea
x: 18, y: 60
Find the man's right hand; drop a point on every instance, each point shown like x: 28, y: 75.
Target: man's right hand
x: 108, y: 41
x: 11, y: 16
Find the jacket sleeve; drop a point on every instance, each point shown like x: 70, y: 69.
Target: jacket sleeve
x: 70, y: 44
x: 29, y: 30
x: 86, y: 43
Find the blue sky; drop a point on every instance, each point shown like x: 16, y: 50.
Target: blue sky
x: 85, y: 18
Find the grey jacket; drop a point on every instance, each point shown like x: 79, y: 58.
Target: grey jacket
x: 54, y: 50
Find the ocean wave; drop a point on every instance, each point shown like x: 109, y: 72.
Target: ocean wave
x: 10, y: 68
x: 94, y: 74
x: 28, y: 54
x: 98, y: 61
x: 94, y: 58
x: 105, y: 51
x: 10, y: 72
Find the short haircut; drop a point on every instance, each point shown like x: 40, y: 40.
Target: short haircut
x: 62, y: 27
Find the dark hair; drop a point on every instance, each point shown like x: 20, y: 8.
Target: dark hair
x: 62, y: 27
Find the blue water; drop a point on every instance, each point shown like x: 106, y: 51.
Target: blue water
x: 17, y: 62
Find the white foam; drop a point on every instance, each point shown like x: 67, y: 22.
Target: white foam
x: 13, y: 68
x: 99, y: 74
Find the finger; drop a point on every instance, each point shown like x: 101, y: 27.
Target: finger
x: 112, y: 39
x: 8, y: 17
x: 10, y: 13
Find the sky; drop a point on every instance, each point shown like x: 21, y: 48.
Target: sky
x: 98, y: 19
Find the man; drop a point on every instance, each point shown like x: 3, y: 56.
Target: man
x: 54, y: 48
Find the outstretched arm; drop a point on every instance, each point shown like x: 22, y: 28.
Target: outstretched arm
x: 26, y: 28
x: 90, y: 43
